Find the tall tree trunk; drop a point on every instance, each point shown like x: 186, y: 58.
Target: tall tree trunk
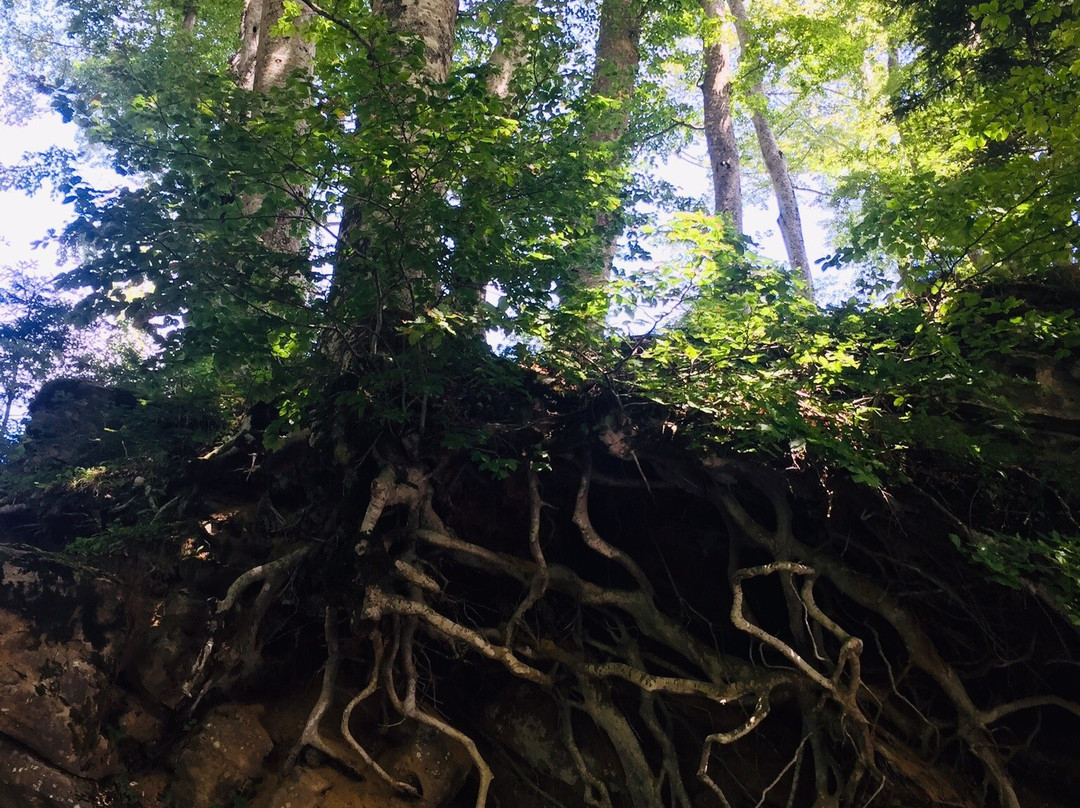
x: 618, y: 57
x: 395, y: 283
x: 433, y: 22
x: 719, y: 125
x: 510, y: 53
x: 790, y: 221
x: 264, y: 61
x: 191, y: 16
x: 9, y: 401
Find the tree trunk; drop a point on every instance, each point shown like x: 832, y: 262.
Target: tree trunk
x: 395, y: 283
x: 510, y: 53
x: 719, y: 125
x: 9, y: 400
x: 263, y: 61
x: 433, y: 22
x: 618, y: 56
x: 790, y: 221
x: 191, y: 16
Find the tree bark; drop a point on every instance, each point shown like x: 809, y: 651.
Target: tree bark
x: 618, y: 57
x: 264, y: 61
x: 790, y: 221
x: 719, y: 125
x: 191, y: 16
x: 433, y: 22
x: 510, y: 53
x: 9, y: 401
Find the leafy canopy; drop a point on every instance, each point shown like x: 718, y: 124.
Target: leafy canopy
x: 945, y: 132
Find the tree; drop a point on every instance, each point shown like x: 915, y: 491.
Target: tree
x: 1001, y: 206
x: 510, y: 53
x: 790, y: 220
x: 719, y: 123
x: 34, y: 332
x: 317, y: 215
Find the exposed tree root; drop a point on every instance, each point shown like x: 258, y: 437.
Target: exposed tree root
x: 638, y: 778
x: 597, y: 544
x: 621, y: 665
x: 242, y: 651
x: 312, y: 737
x: 408, y: 708
x: 538, y: 585
x: 971, y: 725
x: 724, y: 738
x: 346, y: 718
x: 269, y: 573
x: 596, y: 793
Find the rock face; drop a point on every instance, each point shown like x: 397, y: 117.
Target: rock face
x: 165, y: 645
x: 61, y: 629
x: 436, y: 765
x: 307, y: 788
x: 26, y: 782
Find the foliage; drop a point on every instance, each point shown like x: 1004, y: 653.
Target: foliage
x: 315, y: 269
x: 948, y: 129
x: 980, y: 185
x: 119, y: 538
x: 1022, y: 561
x: 508, y: 196
x: 745, y: 363
x: 33, y: 335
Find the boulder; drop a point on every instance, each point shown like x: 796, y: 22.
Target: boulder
x: 304, y: 788
x: 222, y: 756
x: 166, y: 644
x: 74, y: 422
x: 431, y: 762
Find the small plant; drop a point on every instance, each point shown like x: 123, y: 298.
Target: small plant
x: 87, y: 479
x: 116, y: 537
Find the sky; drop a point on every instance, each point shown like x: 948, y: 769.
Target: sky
x: 25, y: 219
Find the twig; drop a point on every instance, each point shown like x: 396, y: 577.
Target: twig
x: 795, y: 761
x: 336, y: 20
